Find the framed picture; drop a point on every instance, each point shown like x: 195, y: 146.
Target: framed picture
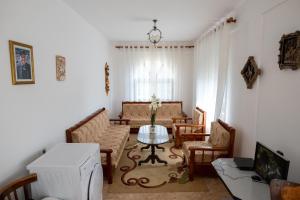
x: 289, y: 57
x: 60, y: 68
x: 22, y: 65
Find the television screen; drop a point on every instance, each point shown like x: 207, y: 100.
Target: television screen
x: 270, y: 165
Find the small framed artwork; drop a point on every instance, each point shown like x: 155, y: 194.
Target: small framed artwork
x: 22, y: 64
x: 60, y: 68
x: 289, y: 57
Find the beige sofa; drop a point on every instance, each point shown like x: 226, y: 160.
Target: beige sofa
x: 139, y: 113
x: 112, y: 137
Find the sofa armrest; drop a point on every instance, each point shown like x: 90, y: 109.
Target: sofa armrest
x: 126, y: 121
x: 277, y: 185
x: 208, y: 149
x: 181, y: 119
x: 203, y: 149
x: 108, y: 153
x: 188, y: 125
x: 184, y: 114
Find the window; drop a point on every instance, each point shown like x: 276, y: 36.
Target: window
x: 153, y: 77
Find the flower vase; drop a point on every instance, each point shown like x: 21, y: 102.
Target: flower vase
x: 153, y: 119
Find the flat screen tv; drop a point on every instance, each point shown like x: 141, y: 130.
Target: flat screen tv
x: 270, y: 165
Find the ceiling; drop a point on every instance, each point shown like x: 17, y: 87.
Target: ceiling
x: 130, y: 20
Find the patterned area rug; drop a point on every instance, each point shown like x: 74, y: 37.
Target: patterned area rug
x: 129, y: 177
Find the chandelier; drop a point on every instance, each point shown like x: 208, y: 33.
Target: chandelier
x: 154, y: 35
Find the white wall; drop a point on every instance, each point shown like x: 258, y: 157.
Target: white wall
x: 269, y: 112
x: 34, y: 117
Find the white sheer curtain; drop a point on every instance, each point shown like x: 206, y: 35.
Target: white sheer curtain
x: 147, y: 71
x: 210, y: 70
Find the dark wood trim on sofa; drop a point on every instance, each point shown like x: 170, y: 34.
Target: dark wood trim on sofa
x: 107, y: 168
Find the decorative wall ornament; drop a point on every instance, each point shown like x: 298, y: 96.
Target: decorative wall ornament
x: 106, y: 71
x: 22, y: 64
x: 60, y: 68
x: 250, y: 72
x: 289, y: 57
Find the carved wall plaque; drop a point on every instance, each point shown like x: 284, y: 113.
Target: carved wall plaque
x: 60, y: 68
x: 106, y: 72
x: 250, y: 72
x: 289, y: 57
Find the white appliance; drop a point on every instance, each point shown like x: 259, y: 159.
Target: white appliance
x: 70, y: 172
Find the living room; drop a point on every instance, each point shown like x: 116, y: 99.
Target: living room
x: 225, y: 57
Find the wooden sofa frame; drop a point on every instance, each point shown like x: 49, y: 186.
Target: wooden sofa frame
x: 136, y: 130
x: 108, y: 167
x: 183, y: 123
x: 192, y: 163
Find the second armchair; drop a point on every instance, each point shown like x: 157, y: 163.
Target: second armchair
x: 186, y: 128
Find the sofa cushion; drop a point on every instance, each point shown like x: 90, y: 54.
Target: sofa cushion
x: 137, y: 122
x: 115, y: 138
x: 169, y: 110
x: 198, y: 117
x: 136, y: 110
x: 92, y: 130
x: 207, y: 157
x: 219, y: 136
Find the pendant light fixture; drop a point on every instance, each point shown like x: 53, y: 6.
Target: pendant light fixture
x: 154, y: 35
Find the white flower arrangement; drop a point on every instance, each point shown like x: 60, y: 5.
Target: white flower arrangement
x: 155, y: 104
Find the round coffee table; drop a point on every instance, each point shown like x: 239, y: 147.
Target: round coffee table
x: 153, y: 136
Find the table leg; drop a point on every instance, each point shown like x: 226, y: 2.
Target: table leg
x: 152, y: 157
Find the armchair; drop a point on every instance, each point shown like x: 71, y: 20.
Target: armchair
x: 13, y: 189
x: 186, y: 128
x: 219, y: 144
x: 283, y: 189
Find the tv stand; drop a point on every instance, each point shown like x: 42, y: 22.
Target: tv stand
x: 239, y: 183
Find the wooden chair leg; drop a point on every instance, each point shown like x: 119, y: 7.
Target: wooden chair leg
x: 191, y: 172
x: 192, y: 165
x: 108, y: 166
x: 183, y: 160
x: 109, y: 176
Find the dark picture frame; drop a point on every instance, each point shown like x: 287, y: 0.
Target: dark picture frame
x: 22, y: 63
x: 289, y: 57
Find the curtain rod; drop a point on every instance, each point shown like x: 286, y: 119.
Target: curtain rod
x: 231, y: 20
x: 159, y: 47
x: 218, y: 25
